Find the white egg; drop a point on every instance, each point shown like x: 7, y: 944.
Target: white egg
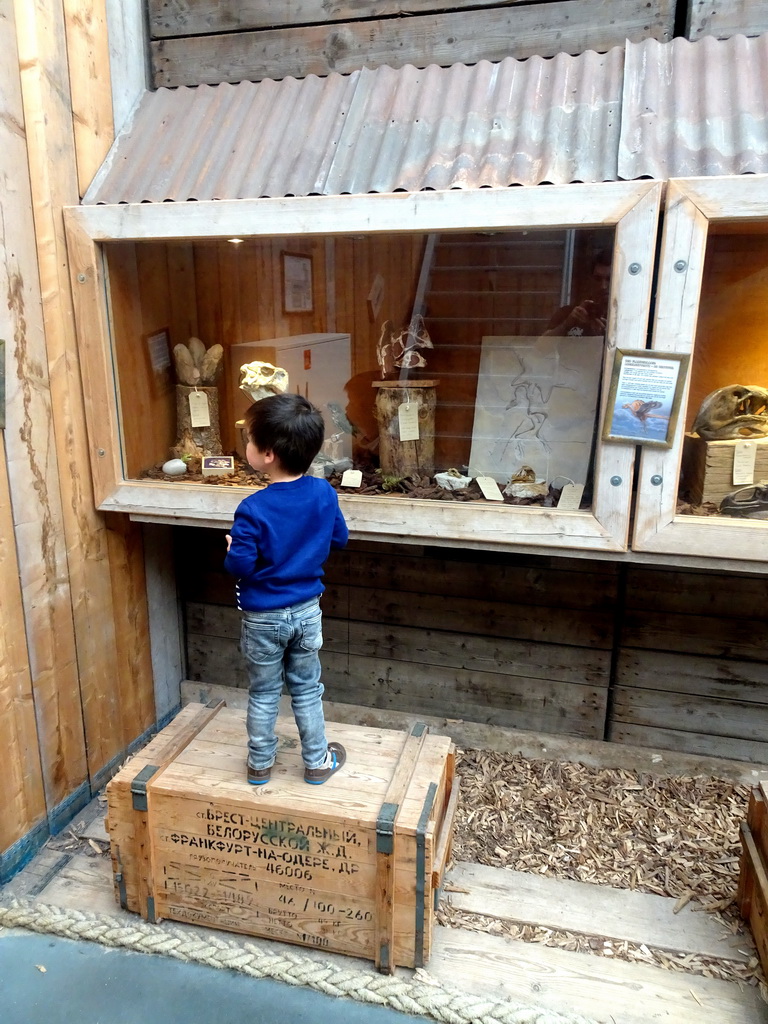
x: 174, y: 467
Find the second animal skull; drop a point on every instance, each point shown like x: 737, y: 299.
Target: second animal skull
x: 735, y: 412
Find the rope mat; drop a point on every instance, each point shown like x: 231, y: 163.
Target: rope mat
x: 422, y: 996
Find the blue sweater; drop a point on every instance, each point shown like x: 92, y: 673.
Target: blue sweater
x: 281, y: 537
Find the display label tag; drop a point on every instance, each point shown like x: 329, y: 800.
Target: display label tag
x: 744, y: 454
x: 570, y: 497
x: 408, y: 421
x: 490, y: 488
x: 199, y: 414
x: 218, y: 465
x: 351, y: 478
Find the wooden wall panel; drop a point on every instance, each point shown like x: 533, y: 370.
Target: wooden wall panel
x: 236, y: 294
x: 22, y: 800
x: 91, y: 701
x: 85, y: 24
x: 713, y: 614
x: 140, y: 305
x: 135, y: 704
x: 543, y: 643
x: 726, y: 18
x: 502, y: 641
x: 181, y: 291
x: 691, y: 672
x: 238, y: 299
x: 128, y: 48
x: 358, y: 262
x: 231, y: 294
x: 455, y: 35
x: 32, y: 467
x: 200, y: 17
x: 734, y: 293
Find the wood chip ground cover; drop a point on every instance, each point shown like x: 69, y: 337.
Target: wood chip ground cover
x: 675, y: 837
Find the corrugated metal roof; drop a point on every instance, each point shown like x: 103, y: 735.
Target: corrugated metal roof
x: 650, y: 109
x: 695, y: 108
x: 515, y: 122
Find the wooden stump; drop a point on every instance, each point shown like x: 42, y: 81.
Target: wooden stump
x: 406, y: 458
x: 197, y: 441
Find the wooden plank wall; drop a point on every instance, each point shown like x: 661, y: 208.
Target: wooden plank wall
x: 734, y: 291
x: 202, y: 41
x: 507, y: 640
x: 692, y: 673
x: 77, y: 610
x: 652, y: 657
x: 229, y: 294
x: 725, y: 18
x: 37, y: 620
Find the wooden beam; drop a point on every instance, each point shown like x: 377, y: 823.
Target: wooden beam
x: 166, y: 624
x: 22, y: 802
x: 631, y: 281
x: 203, y: 17
x: 35, y: 517
x: 692, y: 204
x: 85, y: 24
x: 595, y: 205
x: 490, y: 33
x: 94, y: 354
x: 95, y: 697
x: 683, y: 247
x: 128, y: 57
x: 726, y: 18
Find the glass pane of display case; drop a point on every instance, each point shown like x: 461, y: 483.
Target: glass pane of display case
x: 707, y: 496
x: 725, y: 453
x: 457, y: 344
x: 450, y: 366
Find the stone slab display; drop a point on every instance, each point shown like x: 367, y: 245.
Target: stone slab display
x: 536, y: 406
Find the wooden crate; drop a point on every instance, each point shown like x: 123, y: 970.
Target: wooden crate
x: 352, y: 866
x: 753, y: 873
x: 708, y: 467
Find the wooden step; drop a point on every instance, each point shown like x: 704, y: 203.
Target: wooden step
x: 597, y: 910
x: 604, y: 990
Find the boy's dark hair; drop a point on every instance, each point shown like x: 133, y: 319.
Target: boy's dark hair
x: 289, y: 426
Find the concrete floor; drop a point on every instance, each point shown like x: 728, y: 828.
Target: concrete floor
x: 87, y: 983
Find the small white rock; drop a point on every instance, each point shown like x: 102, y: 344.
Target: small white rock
x: 451, y: 482
x: 174, y: 467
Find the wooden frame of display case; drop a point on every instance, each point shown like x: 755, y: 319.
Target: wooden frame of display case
x: 631, y: 208
x: 692, y: 206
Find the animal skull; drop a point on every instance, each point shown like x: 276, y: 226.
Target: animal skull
x: 259, y: 380
x: 734, y: 412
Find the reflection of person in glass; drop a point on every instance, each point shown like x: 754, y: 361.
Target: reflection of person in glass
x: 589, y: 315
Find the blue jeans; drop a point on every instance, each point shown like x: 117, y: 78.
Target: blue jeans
x: 283, y: 645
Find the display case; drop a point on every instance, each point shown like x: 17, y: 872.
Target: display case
x: 706, y: 494
x: 460, y: 332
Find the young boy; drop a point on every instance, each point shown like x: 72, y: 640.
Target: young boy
x: 280, y: 539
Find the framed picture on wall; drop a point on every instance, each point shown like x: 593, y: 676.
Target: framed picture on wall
x: 158, y: 349
x: 297, y: 283
x: 644, y: 397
